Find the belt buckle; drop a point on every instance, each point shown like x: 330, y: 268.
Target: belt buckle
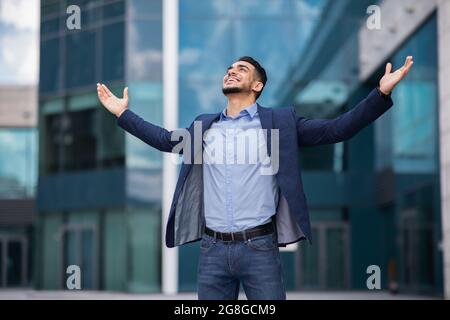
x: 222, y: 234
x: 225, y: 233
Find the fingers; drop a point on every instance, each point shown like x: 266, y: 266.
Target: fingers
x: 408, y: 62
x: 104, y: 93
x: 108, y: 93
x: 407, y: 66
x: 101, y: 92
x: 388, y: 68
x: 101, y: 88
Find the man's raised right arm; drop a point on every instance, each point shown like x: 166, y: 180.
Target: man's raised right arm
x: 151, y: 134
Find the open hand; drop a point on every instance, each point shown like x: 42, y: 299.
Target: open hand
x: 390, y: 80
x: 114, y: 105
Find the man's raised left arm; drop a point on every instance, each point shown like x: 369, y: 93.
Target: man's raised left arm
x: 313, y: 132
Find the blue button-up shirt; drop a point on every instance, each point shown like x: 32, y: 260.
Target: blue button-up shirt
x: 236, y: 195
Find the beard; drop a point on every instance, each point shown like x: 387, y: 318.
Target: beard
x: 229, y: 90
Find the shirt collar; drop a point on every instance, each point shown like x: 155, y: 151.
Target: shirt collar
x: 250, y: 110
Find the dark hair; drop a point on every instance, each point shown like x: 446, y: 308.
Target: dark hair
x: 260, y: 72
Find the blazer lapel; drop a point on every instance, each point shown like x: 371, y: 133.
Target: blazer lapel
x: 265, y: 116
x: 208, y: 121
x: 197, y: 142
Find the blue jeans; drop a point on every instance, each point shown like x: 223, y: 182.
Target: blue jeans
x: 256, y: 263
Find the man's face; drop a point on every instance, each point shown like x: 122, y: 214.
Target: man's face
x: 240, y: 77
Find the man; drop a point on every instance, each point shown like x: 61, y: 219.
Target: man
x: 242, y: 214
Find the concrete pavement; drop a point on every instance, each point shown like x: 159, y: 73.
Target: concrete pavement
x: 12, y: 294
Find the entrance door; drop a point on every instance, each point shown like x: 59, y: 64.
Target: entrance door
x: 325, y: 265
x: 79, y: 247
x: 417, y: 252
x: 13, y: 260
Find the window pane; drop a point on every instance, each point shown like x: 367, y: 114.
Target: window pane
x: 264, y: 8
x: 52, y: 106
x: 336, y: 262
x: 18, y: 162
x: 87, y: 258
x: 111, y: 148
x: 83, y: 101
x: 258, y: 38
x: 52, y: 142
x: 305, y: 10
x: 144, y: 164
x: 50, y: 79
x: 80, y: 52
x: 113, y: 55
x: 80, y: 140
x: 89, y: 17
x: 71, y: 141
x: 145, y: 43
x: 146, y: 8
x: 86, y: 4
x: 1, y: 263
x: 50, y: 7
x: 50, y: 26
x: 206, y: 8
x: 144, y: 245
x: 14, y: 264
x: 199, y: 97
x: 114, y: 251
x: 70, y: 253
x: 205, y: 49
x: 310, y: 263
x: 114, y: 10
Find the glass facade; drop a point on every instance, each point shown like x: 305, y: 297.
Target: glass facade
x: 99, y: 196
x: 212, y: 34
x: 99, y: 193
x: 78, y: 135
x: 325, y: 265
x: 384, y: 181
x: 414, y: 120
x: 18, y: 169
x: 144, y: 45
x: 409, y: 138
x: 97, y: 46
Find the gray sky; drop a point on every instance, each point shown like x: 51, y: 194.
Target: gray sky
x: 19, y: 41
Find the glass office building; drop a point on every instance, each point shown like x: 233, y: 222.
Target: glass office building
x: 99, y: 194
x: 212, y: 35
x: 18, y: 176
x: 99, y: 198
x: 18, y: 182
x: 374, y: 200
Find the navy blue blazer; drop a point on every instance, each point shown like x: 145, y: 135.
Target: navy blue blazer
x: 186, y: 218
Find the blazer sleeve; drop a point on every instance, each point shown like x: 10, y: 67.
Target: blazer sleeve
x: 313, y: 132
x: 149, y: 133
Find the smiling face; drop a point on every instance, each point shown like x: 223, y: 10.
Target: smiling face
x: 241, y: 78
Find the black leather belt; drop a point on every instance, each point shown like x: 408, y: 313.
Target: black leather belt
x: 241, y: 235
